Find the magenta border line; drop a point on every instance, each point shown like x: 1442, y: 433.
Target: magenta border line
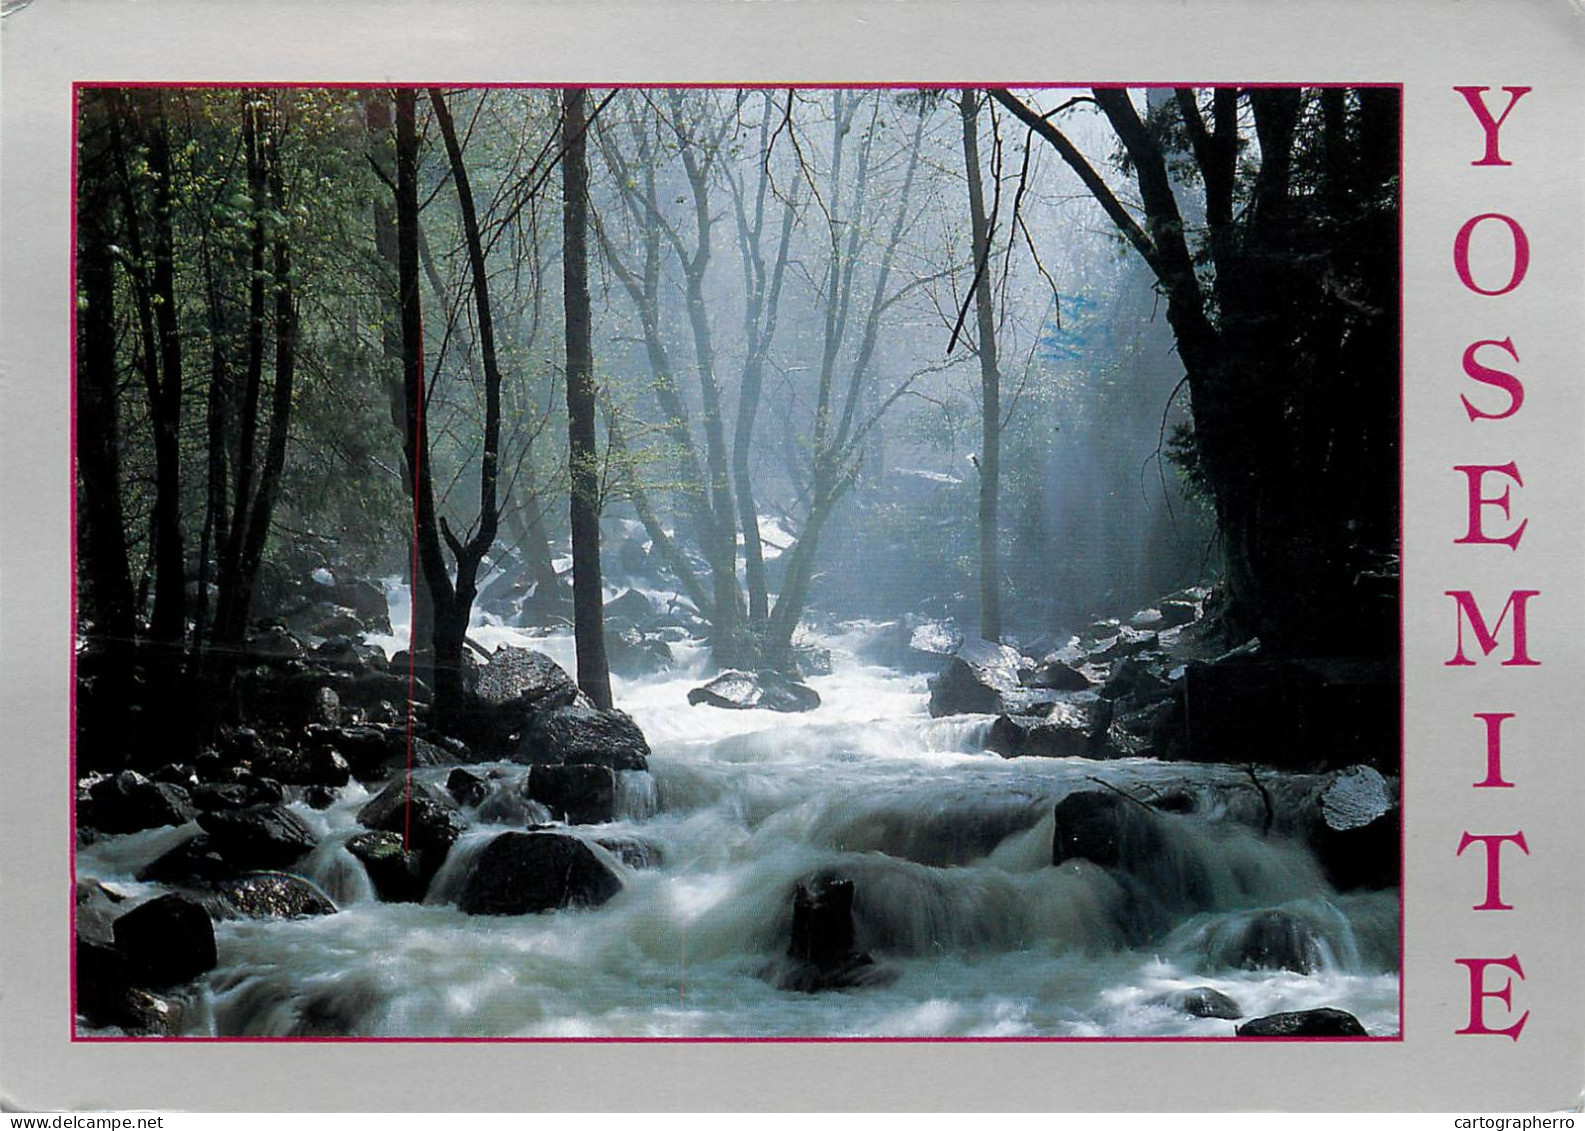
x: 71, y: 697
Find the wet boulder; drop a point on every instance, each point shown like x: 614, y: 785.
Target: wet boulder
x: 1071, y: 730
x: 583, y: 736
x: 1304, y: 1023
x: 258, y: 837
x: 981, y: 678
x: 167, y: 940
x: 1177, y: 612
x: 630, y: 608
x: 239, y: 793
x: 466, y: 787
x: 519, y: 873
x: 311, y: 765
x: 1134, y: 682
x: 1127, y: 642
x: 397, y: 875
x: 428, y: 818
x: 193, y: 862
x: 763, y: 690
x: 1202, y: 1001
x: 579, y: 794
x: 1055, y: 675
x: 128, y: 802
x: 811, y: 660
x: 1106, y: 828
x: 271, y: 895
x: 517, y: 685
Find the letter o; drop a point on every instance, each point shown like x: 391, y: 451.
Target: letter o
x: 1521, y: 253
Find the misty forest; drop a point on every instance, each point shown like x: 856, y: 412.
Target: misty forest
x: 736, y: 562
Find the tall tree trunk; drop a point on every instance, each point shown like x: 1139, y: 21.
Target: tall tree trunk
x: 990, y: 377
x: 166, y: 624
x: 588, y: 600
x: 450, y: 691
x: 421, y: 606
x: 109, y: 599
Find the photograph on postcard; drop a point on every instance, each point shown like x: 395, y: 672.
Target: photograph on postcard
x: 737, y: 562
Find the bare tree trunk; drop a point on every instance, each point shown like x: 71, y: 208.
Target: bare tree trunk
x: 990, y: 378
x: 109, y: 601
x: 588, y: 600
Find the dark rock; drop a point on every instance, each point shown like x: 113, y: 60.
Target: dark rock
x: 466, y: 787
x: 518, y: 684
x: 320, y: 796
x: 1127, y: 642
x: 1055, y: 675
x: 1071, y: 730
x: 129, y: 802
x: 289, y: 699
x: 578, y: 794
x: 517, y: 873
x: 981, y: 679
x: 258, y: 837
x: 365, y: 599
x: 166, y: 940
x: 190, y: 863
x: 635, y: 853
x: 428, y: 818
x: 1304, y: 1023
x: 104, y: 978
x: 1203, y: 1001
x: 365, y: 749
x: 1134, y: 681
x: 1176, y: 612
x: 369, y: 689
x: 274, y: 643
x: 763, y: 690
x: 1267, y: 940
x: 632, y: 607
x: 176, y: 774
x: 340, y: 652
x: 272, y: 895
x: 143, y: 1013
x: 397, y: 876
x: 314, y: 765
x: 236, y: 794
x: 1105, y: 828
x: 577, y: 735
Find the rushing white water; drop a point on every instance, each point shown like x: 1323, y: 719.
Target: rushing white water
x: 949, y: 849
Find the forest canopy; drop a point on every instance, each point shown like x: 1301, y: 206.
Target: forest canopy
x: 1013, y: 358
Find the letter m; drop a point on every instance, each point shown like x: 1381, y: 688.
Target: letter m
x: 1469, y: 613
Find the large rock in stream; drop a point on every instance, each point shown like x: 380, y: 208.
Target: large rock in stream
x: 129, y: 802
x: 263, y: 837
x: 583, y: 736
x: 167, y: 940
x: 1304, y: 1023
x: 515, y: 687
x: 429, y: 819
x: 764, y: 690
x: 520, y: 873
